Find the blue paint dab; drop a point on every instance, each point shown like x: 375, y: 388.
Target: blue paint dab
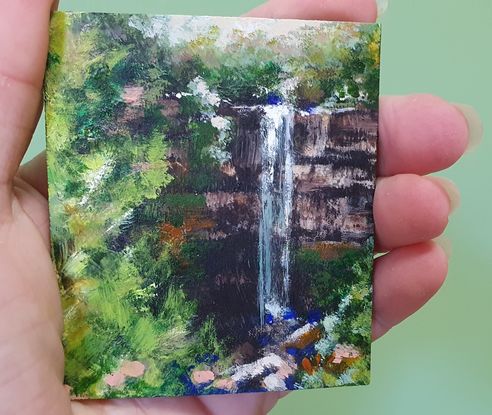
x: 190, y: 388
x: 208, y: 358
x: 289, y: 315
x: 217, y: 391
x: 310, y: 108
x: 314, y: 316
x: 290, y: 383
x: 268, y: 319
x: 309, y: 351
x: 292, y: 351
x: 273, y: 99
x: 264, y: 340
x: 249, y: 389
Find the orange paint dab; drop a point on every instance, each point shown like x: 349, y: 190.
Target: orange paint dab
x: 307, y: 366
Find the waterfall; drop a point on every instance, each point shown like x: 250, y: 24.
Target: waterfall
x: 276, y: 194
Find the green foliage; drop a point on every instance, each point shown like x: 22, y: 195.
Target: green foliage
x: 247, y: 84
x: 203, y: 168
x: 195, y: 255
x: 358, y: 373
x: 328, y: 281
x: 206, y: 340
x: 341, y: 287
x: 180, y: 205
x: 355, y: 327
x: 361, y: 372
x: 151, y: 259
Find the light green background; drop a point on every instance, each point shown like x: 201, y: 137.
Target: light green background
x: 440, y: 360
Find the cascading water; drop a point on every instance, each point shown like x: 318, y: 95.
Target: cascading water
x: 276, y: 194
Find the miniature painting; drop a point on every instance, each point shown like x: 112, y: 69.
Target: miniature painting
x: 211, y: 184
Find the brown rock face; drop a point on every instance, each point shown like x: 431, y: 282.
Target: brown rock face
x: 334, y: 157
x: 334, y: 163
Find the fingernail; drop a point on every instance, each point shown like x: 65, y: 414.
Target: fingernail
x: 382, y: 6
x: 475, y: 126
x: 445, y: 244
x: 451, y: 190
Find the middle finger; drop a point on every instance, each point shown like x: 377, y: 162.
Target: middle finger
x: 409, y: 209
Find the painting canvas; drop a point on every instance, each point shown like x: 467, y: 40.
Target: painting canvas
x: 210, y: 186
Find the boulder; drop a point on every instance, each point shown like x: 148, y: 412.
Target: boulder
x: 200, y: 377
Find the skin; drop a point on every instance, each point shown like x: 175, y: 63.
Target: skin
x: 419, y: 134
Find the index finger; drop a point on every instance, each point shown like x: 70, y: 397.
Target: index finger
x: 420, y: 134
x: 363, y: 11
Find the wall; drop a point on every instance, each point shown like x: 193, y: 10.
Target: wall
x: 439, y: 361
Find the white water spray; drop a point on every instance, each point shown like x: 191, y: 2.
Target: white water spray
x: 276, y: 195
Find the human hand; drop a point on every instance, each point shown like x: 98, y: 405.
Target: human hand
x: 419, y: 134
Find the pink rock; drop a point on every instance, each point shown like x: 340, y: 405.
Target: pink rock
x: 133, y: 369
x: 225, y: 384
x: 343, y: 351
x: 284, y: 371
x: 132, y: 95
x: 202, y: 376
x: 115, y: 380
x: 228, y: 169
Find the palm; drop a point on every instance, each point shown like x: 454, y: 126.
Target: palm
x: 409, y: 211
x: 32, y: 360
